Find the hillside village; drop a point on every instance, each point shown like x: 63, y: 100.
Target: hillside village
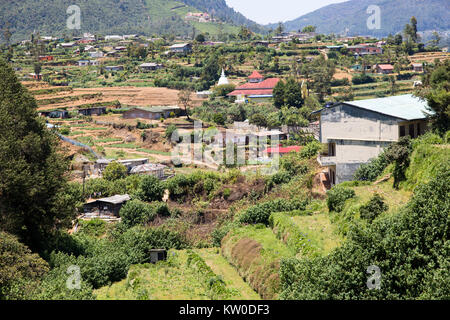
x: 226, y: 169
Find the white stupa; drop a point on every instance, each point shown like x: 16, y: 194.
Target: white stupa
x: 223, y: 79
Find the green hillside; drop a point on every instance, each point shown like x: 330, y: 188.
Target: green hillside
x: 352, y: 15
x: 145, y: 17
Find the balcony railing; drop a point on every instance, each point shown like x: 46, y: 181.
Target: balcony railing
x: 326, y: 161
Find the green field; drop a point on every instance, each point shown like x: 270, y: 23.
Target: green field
x: 175, y: 280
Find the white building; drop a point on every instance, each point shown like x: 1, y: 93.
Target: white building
x: 358, y: 131
x: 223, y: 79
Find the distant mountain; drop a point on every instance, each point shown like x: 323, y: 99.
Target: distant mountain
x: 49, y: 17
x: 352, y: 16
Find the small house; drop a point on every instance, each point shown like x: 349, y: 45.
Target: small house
x: 114, y: 68
x: 152, y: 113
x: 67, y: 44
x: 384, y: 68
x: 157, y: 255
x: 106, y: 206
x: 96, y: 54
x: 55, y: 114
x: 101, y: 164
x: 92, y: 111
x: 113, y: 38
x: 181, y: 48
x: 417, y: 67
x: 153, y: 169
x: 83, y: 63
x: 45, y: 58
x: 146, y: 67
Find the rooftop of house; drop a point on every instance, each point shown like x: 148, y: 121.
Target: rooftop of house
x: 405, y: 107
x: 179, y: 45
x: 117, y: 199
x: 148, y: 167
x: 256, y: 75
x: 157, y: 108
x: 282, y: 150
x: 385, y: 66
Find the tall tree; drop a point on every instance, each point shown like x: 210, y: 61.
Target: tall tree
x: 32, y: 167
x: 436, y: 92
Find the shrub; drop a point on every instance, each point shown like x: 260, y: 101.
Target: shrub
x: 373, y: 208
x: 226, y: 193
x: 310, y: 150
x: 371, y: 170
x: 136, y: 212
x: 410, y: 248
x: 260, y: 213
x: 94, y: 227
x: 20, y: 269
x: 363, y: 78
x: 337, y: 197
x: 286, y: 229
x: 151, y: 189
x: 219, y: 233
x: 115, y: 171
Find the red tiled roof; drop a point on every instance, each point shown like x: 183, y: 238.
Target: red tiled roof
x: 251, y: 92
x: 385, y: 66
x: 264, y: 87
x: 256, y: 75
x: 283, y: 149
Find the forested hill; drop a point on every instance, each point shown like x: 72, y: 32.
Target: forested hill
x: 224, y: 13
x: 352, y: 15
x: 49, y: 17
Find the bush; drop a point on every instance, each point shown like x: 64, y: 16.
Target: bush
x: 371, y: 170
x: 151, y: 189
x: 310, y: 150
x: 286, y: 229
x: 363, y: 78
x: 20, y: 269
x: 93, y: 228
x: 410, y: 248
x: 223, y: 90
x: 337, y: 197
x: 136, y: 212
x: 115, y: 171
x: 373, y: 208
x: 260, y: 213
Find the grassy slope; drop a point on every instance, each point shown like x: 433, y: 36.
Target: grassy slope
x: 256, y: 252
x: 175, y: 280
x: 161, y: 281
x: 230, y: 275
x: 319, y: 230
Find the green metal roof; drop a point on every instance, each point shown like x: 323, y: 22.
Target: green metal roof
x: 405, y: 107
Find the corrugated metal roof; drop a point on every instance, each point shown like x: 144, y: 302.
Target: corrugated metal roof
x: 405, y: 107
x: 116, y: 199
x: 158, y: 108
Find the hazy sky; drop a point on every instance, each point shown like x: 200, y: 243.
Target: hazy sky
x: 270, y: 11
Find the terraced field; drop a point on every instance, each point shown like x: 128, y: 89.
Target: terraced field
x: 176, y: 279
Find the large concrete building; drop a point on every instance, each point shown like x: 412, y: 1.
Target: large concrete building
x: 358, y: 131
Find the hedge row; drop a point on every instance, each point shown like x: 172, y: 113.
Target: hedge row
x: 213, y: 282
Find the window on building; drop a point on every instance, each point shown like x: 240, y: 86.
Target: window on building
x: 411, y: 131
x: 418, y: 129
x: 332, y: 149
x: 402, y: 131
